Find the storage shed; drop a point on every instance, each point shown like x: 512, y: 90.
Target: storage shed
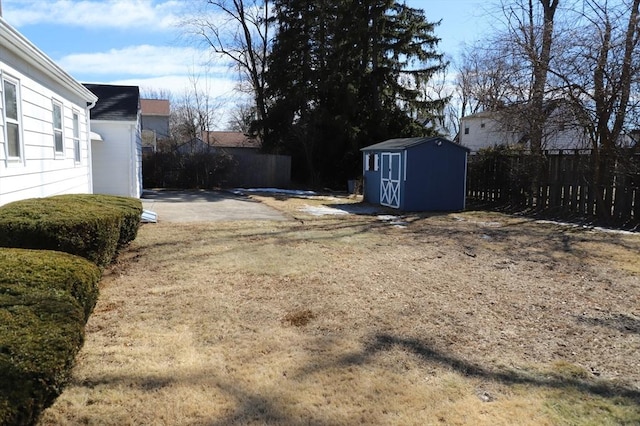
x: 416, y: 174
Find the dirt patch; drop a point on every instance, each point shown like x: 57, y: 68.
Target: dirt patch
x: 465, y: 318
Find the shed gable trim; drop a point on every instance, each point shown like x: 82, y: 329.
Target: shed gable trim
x: 400, y: 144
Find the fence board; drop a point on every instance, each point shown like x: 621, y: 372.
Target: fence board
x: 566, y: 184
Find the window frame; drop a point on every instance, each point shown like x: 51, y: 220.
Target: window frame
x: 58, y: 130
x: 75, y: 119
x: 372, y: 162
x: 4, y: 80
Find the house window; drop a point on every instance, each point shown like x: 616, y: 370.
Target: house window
x: 76, y: 137
x: 466, y: 130
x: 10, y: 96
x: 57, y: 129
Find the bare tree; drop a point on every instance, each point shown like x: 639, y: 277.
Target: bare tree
x: 600, y: 76
x: 242, y: 118
x: 238, y: 30
x: 155, y: 93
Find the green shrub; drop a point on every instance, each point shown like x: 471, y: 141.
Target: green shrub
x: 41, y: 331
x: 45, y: 300
x: 130, y: 208
x: 62, y: 224
x: 44, y: 269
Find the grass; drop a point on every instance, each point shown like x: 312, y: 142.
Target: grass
x: 462, y: 318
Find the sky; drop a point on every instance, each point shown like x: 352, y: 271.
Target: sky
x: 140, y: 42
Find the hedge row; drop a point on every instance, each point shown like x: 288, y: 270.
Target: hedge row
x: 45, y: 299
x: 46, y: 296
x: 91, y: 226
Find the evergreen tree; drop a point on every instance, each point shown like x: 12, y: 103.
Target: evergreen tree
x: 345, y: 74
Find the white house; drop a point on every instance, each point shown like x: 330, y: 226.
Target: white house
x: 116, y: 140
x: 492, y: 128
x: 44, y: 124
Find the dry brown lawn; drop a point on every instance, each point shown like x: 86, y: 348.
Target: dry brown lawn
x: 464, y: 318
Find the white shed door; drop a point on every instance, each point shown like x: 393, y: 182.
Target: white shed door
x: 390, y: 180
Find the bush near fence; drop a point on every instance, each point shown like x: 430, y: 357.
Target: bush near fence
x: 221, y: 168
x: 203, y: 170
x: 565, y: 186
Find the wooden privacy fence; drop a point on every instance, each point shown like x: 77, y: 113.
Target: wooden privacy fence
x: 570, y: 183
x: 215, y: 169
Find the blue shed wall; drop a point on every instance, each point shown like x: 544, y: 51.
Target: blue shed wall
x: 436, y: 178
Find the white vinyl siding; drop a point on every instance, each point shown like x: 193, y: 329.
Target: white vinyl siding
x: 58, y: 136
x: 40, y: 171
x: 117, y: 167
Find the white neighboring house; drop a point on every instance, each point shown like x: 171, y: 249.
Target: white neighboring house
x: 492, y: 128
x: 116, y: 141
x: 44, y: 124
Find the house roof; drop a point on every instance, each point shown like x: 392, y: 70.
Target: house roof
x: 117, y: 103
x: 156, y: 107
x: 403, y: 143
x: 231, y: 140
x: 18, y: 44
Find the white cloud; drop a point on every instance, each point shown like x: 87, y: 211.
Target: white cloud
x: 147, y: 14
x: 221, y: 92
x: 143, y: 60
x: 220, y: 89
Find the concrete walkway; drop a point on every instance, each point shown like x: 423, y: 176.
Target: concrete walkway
x: 205, y: 206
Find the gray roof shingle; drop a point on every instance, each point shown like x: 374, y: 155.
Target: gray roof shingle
x: 119, y: 103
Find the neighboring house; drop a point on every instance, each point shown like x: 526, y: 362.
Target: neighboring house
x: 117, y: 143
x: 416, y: 174
x: 231, y: 142
x: 154, y: 122
x: 44, y: 124
x: 492, y: 128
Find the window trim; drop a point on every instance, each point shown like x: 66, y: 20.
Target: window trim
x: 372, y: 162
x: 75, y: 119
x: 4, y: 78
x: 60, y: 130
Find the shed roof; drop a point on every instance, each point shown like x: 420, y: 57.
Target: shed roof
x: 118, y: 103
x: 403, y: 143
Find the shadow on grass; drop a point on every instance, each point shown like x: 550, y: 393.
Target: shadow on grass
x: 427, y: 353
x: 621, y: 322
x: 261, y: 406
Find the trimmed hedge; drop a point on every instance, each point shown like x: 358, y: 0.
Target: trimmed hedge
x: 93, y: 227
x: 130, y: 208
x: 45, y: 300
x: 45, y: 269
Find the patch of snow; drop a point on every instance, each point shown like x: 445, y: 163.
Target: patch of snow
x: 322, y: 210
x: 393, y: 220
x: 587, y: 227
x: 477, y: 222
x: 241, y: 191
